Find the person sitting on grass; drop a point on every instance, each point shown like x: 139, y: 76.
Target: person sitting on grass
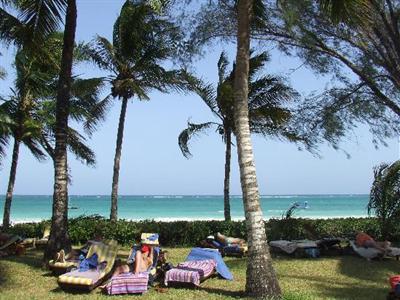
x: 143, y: 260
x: 365, y: 240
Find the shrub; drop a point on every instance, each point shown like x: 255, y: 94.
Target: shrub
x: 188, y: 233
x: 385, y: 198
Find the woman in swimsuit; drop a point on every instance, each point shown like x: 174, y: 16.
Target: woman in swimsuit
x: 143, y: 260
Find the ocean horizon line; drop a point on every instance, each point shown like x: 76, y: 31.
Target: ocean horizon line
x: 202, y: 195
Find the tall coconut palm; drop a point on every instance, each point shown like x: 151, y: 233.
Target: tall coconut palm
x: 33, y: 123
x: 267, y: 114
x: 142, y: 42
x: 59, y: 238
x: 261, y: 280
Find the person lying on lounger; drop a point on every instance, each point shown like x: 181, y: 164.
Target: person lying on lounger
x: 76, y: 254
x: 227, y: 240
x: 143, y: 260
x: 364, y: 240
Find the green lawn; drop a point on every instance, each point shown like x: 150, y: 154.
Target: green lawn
x: 344, y: 277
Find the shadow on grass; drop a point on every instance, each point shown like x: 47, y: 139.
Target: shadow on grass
x: 4, y: 274
x: 361, y: 280
x: 373, y: 271
x: 235, y: 294
x: 32, y: 258
x: 326, y: 288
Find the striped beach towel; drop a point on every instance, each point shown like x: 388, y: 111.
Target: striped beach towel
x: 128, y: 283
x: 191, y: 272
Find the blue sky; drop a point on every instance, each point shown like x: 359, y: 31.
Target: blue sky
x: 151, y: 160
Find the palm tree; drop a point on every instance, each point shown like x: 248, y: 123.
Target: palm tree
x: 35, y: 20
x: 59, y: 238
x: 261, y: 280
x: 267, y: 116
x: 142, y: 41
x: 33, y: 124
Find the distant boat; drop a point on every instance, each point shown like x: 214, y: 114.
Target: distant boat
x: 73, y: 207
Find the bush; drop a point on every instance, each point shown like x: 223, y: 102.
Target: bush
x: 188, y: 233
x: 384, y: 199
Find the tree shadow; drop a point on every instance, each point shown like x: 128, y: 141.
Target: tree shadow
x: 326, y: 288
x: 31, y: 258
x: 373, y: 271
x: 217, y: 291
x: 362, y: 279
x: 4, y: 274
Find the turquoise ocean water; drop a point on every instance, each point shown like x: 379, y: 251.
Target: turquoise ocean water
x: 167, y: 208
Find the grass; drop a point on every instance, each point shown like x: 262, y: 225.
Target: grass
x: 344, y: 277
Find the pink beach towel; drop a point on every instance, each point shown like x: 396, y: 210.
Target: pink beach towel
x: 128, y: 283
x: 191, y: 271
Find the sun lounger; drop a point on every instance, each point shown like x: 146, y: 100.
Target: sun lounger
x: 41, y: 243
x: 130, y: 283
x: 225, y: 249
x: 190, y: 272
x: 203, y: 254
x: 91, y: 278
x: 200, y: 264
x: 59, y: 268
x: 367, y: 253
x: 301, y: 248
x: 14, y: 239
x: 370, y: 253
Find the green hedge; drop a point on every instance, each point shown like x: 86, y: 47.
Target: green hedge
x: 188, y: 233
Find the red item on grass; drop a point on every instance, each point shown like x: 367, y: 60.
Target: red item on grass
x: 394, y: 280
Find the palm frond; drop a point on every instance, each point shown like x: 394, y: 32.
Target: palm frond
x: 384, y: 197
x: 188, y: 133
x: 257, y: 63
x: 205, y: 91
x: 35, y: 148
x: 77, y: 145
x: 97, y: 114
x: 12, y: 30
x: 43, y: 17
x: 102, y: 53
x: 270, y: 91
x: 222, y: 65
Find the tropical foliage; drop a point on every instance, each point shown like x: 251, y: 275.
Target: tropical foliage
x: 269, y: 114
x: 135, y: 59
x: 189, y: 233
x: 30, y: 111
x: 385, y: 197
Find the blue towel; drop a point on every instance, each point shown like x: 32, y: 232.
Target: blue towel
x: 202, y: 253
x: 89, y: 263
x: 153, y: 237
x: 232, y: 249
x: 217, y: 244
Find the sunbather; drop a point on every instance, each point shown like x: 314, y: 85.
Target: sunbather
x: 76, y: 254
x: 229, y: 240
x: 364, y: 240
x: 143, y: 260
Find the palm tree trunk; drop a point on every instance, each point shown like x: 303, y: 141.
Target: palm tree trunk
x: 11, y: 182
x: 227, y: 206
x: 117, y: 160
x: 261, y: 281
x: 59, y: 238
